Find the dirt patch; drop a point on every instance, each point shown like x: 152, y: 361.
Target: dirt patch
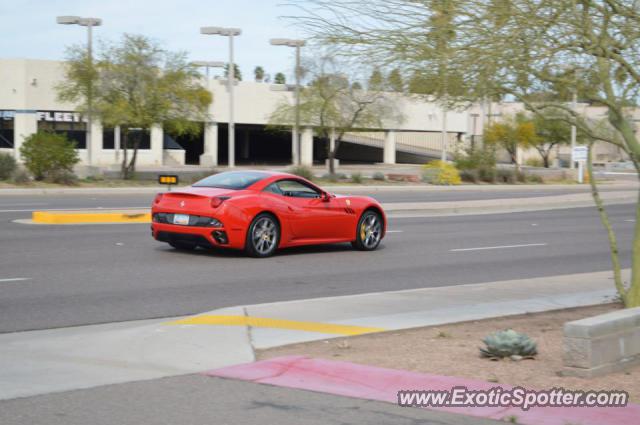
x: 453, y: 350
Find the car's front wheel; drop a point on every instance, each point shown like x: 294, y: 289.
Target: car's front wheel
x: 369, y: 231
x: 263, y: 236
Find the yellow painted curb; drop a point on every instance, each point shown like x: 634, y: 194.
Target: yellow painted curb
x: 79, y: 217
x: 264, y: 322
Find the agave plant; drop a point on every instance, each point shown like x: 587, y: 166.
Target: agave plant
x: 508, y: 343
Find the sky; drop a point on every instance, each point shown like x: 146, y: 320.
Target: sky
x: 29, y: 28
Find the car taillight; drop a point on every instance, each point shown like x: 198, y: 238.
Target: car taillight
x: 158, y: 198
x: 216, y: 201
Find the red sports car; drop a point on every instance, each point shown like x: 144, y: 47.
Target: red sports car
x: 261, y: 211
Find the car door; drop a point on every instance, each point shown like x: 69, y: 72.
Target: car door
x: 313, y: 217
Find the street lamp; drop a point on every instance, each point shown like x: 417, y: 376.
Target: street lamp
x: 89, y: 23
x: 228, y: 32
x: 297, y: 44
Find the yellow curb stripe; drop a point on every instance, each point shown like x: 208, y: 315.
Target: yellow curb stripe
x: 46, y: 217
x: 265, y: 322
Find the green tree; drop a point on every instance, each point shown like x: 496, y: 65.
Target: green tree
x: 237, y: 74
x: 137, y: 84
x: 356, y: 85
x: 45, y: 154
x: 395, y: 81
x: 552, y: 131
x: 331, y: 105
x: 526, y: 49
x: 376, y: 80
x: 512, y: 134
x: 258, y: 74
x: 280, y: 78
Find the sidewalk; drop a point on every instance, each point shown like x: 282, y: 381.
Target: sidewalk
x: 88, y: 356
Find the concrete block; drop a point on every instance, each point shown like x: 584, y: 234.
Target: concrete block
x: 602, y: 344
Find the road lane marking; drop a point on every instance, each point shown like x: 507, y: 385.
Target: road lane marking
x: 15, y: 279
x: 394, y: 231
x: 483, y: 248
x: 266, y: 322
x: 631, y: 221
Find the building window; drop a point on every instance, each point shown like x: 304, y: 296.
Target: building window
x: 139, y: 135
x: 6, y: 129
x: 67, y: 123
x: 108, y: 138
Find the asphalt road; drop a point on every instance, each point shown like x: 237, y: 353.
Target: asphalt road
x: 76, y: 275
x: 27, y: 203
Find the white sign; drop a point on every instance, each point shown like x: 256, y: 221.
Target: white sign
x: 579, y: 153
x: 59, y: 116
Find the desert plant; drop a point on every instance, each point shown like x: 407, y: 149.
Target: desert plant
x: 302, y: 171
x: 46, y: 153
x: 440, y: 172
x: 8, y: 166
x: 508, y: 343
x: 379, y: 176
x: 477, y: 164
x: 356, y: 178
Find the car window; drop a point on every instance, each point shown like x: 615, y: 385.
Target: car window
x: 273, y: 188
x: 232, y: 179
x: 297, y: 189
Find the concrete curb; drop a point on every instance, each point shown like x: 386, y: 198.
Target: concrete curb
x: 86, y: 217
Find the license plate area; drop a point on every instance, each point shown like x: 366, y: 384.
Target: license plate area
x: 181, y: 219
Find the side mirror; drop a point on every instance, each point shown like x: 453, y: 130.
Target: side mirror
x: 326, y: 196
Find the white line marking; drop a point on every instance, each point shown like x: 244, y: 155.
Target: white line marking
x: 631, y: 221
x: 394, y: 231
x: 32, y: 204
x: 79, y: 209
x: 15, y: 279
x: 497, y: 247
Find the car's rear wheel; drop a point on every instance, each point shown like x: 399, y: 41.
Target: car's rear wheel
x: 183, y: 246
x: 369, y: 231
x: 263, y: 236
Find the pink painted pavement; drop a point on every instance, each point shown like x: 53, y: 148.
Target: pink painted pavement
x: 374, y: 383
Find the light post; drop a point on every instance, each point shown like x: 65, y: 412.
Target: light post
x: 89, y: 23
x: 296, y: 130
x: 231, y: 76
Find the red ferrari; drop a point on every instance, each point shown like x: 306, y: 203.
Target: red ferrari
x: 261, y: 211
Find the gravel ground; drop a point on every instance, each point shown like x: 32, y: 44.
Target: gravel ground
x: 453, y: 350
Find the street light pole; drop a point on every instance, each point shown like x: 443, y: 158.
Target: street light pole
x: 231, y: 76
x: 574, y: 107
x: 228, y: 32
x: 297, y: 157
x: 89, y: 23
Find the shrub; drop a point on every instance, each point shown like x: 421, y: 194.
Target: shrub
x: 439, y: 172
x: 534, y: 162
x: 507, y: 176
x: 477, y: 164
x: 47, y: 153
x: 8, y: 166
x: 63, y: 177
x: 356, y: 178
x: 379, y: 176
x: 508, y: 343
x: 21, y: 176
x: 302, y: 171
x: 534, y: 178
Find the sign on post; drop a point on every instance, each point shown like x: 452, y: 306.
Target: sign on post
x: 168, y: 179
x: 580, y: 154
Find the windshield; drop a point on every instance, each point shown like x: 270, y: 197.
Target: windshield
x: 232, y: 179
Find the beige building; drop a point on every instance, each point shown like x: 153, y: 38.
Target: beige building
x: 28, y: 103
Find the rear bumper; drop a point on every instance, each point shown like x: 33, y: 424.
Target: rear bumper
x: 202, y: 236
